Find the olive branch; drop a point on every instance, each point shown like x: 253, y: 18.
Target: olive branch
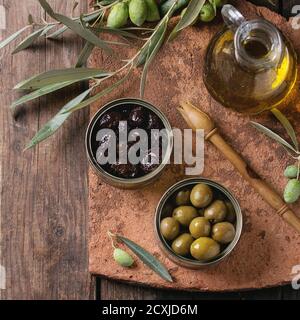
x: 89, y: 27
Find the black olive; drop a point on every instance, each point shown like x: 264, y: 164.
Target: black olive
x: 105, y: 139
x: 154, y: 122
x: 125, y: 110
x: 110, y: 120
x: 137, y: 117
x: 125, y: 170
x: 150, y: 162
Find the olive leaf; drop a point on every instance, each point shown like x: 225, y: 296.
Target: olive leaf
x: 147, y: 258
x: 12, y: 37
x: 98, y: 95
x: 56, y: 122
x: 191, y: 13
x: 76, y: 27
x: 28, y: 41
x: 272, y: 135
x: 41, y: 92
x: 120, y: 32
x: 84, y: 54
x: 154, y: 39
x: 87, y: 18
x: 213, y: 3
x: 287, y: 125
x: 57, y: 33
x: 152, y: 54
x: 47, y: 29
x: 60, y: 75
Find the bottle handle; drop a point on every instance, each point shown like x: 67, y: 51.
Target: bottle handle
x: 232, y: 17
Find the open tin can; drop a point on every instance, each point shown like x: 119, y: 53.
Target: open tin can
x: 127, y: 183
x: 165, y: 207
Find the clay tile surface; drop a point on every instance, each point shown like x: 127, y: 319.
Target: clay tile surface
x: 268, y: 248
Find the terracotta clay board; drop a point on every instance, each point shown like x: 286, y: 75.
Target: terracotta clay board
x: 268, y: 248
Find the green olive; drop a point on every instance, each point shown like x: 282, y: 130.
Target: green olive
x: 118, y: 15
x: 223, y: 232
x: 183, y: 197
x: 169, y: 228
x: 201, y: 195
x: 204, y: 249
x: 291, y: 172
x: 207, y: 13
x: 230, y: 215
x: 220, y: 3
x: 123, y: 258
x: 152, y: 11
x: 182, y: 244
x: 200, y: 227
x: 185, y: 214
x: 138, y: 12
x: 292, y: 191
x: 216, y: 212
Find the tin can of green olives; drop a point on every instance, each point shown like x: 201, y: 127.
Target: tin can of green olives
x: 170, y: 209
x: 136, y: 114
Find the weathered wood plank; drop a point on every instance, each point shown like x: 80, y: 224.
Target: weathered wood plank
x: 44, y: 191
x: 114, y: 290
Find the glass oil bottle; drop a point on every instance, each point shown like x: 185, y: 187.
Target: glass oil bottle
x: 250, y: 66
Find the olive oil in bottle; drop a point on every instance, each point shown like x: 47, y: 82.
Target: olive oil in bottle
x: 250, y: 66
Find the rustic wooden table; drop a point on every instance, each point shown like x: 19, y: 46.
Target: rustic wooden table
x: 43, y: 216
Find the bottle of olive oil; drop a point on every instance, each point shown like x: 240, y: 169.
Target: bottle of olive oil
x: 250, y: 66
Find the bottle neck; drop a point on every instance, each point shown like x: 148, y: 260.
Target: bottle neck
x: 258, y: 45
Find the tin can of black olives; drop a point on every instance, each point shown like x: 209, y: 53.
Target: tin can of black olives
x: 138, y: 115
x: 168, y: 204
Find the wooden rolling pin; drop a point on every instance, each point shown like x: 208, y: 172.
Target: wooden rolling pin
x: 197, y: 119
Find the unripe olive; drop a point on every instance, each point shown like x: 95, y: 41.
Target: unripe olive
x: 138, y: 11
x: 291, y: 172
x: 118, y: 15
x: 220, y: 3
x: 152, y: 11
x: 292, y: 191
x: 207, y: 13
x: 123, y: 258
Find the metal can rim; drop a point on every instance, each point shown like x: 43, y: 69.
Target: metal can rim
x: 185, y: 262
x: 123, y: 181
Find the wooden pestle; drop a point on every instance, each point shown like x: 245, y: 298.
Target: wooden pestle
x: 197, y: 119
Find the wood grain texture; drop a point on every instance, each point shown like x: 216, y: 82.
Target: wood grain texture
x: 44, y: 190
